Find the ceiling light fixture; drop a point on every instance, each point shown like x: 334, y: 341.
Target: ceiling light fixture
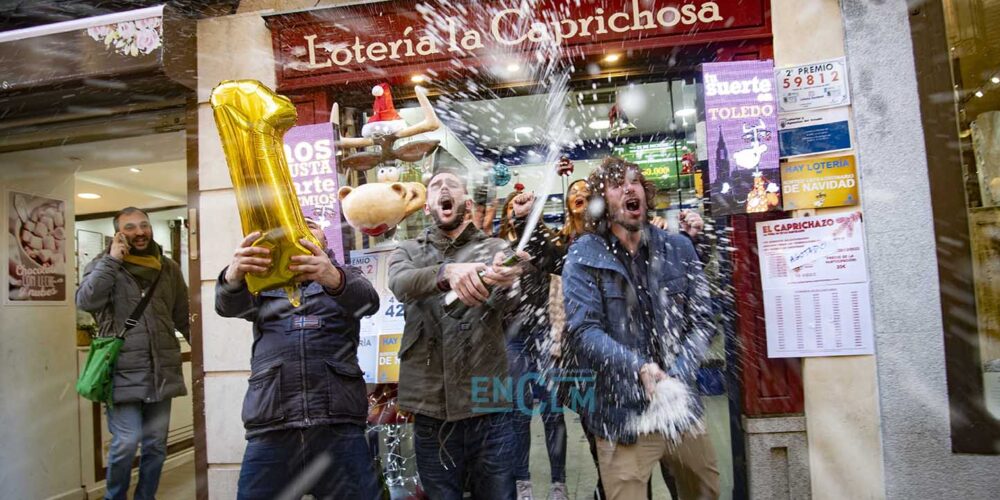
x: 686, y: 112
x: 979, y: 93
x: 995, y: 79
x: 523, y: 130
x: 89, y: 196
x: 612, y: 58
x: 135, y: 170
x: 418, y: 78
x: 513, y: 67
x: 600, y: 124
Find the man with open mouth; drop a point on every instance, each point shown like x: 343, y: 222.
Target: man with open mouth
x: 448, y: 365
x: 637, y: 314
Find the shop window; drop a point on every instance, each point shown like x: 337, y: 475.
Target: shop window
x: 963, y: 145
x: 509, y: 132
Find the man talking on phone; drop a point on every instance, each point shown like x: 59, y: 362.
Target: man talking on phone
x: 148, y: 371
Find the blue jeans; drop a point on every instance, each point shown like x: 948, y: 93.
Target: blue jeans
x: 326, y: 461
x: 528, y: 370
x: 472, y: 454
x: 132, y: 425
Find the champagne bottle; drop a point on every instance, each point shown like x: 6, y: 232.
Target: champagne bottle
x: 455, y: 308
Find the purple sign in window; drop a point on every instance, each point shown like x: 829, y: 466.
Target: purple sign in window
x: 312, y: 160
x: 741, y: 126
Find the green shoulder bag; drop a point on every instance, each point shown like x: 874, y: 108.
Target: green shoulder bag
x: 95, y: 382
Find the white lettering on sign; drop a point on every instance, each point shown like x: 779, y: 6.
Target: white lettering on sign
x: 640, y: 17
x: 714, y: 87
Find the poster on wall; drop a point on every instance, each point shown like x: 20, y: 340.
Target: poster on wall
x: 312, y: 161
x: 815, y: 281
x: 36, y: 250
x: 819, y: 183
x: 382, y: 332
x: 814, y: 132
x: 817, y: 85
x: 741, y: 127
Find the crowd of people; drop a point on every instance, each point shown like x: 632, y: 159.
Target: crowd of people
x: 612, y: 298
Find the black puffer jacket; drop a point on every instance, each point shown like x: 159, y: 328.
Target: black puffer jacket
x: 304, y: 365
x: 148, y: 368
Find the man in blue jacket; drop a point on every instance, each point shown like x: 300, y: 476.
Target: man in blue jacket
x: 306, y: 406
x: 638, y: 313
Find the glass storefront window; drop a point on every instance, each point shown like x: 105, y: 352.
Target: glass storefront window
x: 974, y: 44
x: 961, y: 115
x: 482, y: 133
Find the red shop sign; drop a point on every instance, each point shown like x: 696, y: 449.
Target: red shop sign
x: 382, y: 40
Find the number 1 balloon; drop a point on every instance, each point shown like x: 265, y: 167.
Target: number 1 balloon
x: 252, y: 121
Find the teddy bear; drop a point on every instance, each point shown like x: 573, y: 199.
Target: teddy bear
x: 378, y: 207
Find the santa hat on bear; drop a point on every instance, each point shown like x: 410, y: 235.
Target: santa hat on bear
x: 384, y: 120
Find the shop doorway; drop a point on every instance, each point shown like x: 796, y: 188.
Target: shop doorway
x: 649, y: 118
x: 154, y: 179
x: 87, y: 183
x: 651, y: 121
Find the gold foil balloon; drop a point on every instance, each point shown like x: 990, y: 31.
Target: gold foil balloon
x: 252, y: 121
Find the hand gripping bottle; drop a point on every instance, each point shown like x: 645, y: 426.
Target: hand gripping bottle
x: 252, y: 121
x: 456, y: 308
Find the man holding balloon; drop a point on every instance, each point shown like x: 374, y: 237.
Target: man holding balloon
x: 306, y: 405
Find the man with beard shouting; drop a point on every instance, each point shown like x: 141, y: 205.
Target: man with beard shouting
x: 448, y: 365
x: 637, y: 312
x: 148, y: 371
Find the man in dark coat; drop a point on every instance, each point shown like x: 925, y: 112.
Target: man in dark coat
x: 449, y: 365
x: 306, y: 406
x: 638, y: 315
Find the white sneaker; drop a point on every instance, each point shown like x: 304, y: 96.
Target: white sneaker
x: 558, y: 492
x: 524, y: 491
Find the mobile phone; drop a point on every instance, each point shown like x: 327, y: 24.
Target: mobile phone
x: 124, y: 240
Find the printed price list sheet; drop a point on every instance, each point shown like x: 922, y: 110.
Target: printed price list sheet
x: 815, y: 282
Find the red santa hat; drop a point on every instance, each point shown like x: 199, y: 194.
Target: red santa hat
x: 384, y: 119
x: 384, y: 109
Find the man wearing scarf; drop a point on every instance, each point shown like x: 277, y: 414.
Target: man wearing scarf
x: 148, y: 370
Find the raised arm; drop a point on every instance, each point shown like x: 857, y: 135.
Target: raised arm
x: 234, y: 300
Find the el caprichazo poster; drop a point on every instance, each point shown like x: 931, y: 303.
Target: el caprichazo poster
x: 814, y: 275
x: 36, y: 249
